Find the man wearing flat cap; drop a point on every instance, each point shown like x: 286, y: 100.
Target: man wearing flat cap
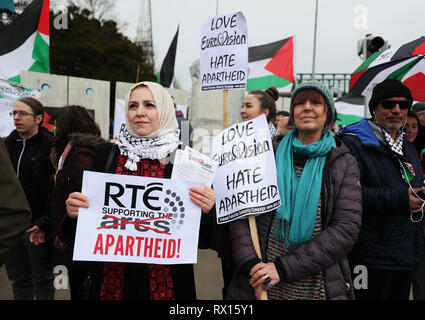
x: 391, y: 240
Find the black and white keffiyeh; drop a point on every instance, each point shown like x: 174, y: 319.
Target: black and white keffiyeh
x: 137, y: 149
x: 395, y: 145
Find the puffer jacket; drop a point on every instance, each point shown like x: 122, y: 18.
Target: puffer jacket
x: 388, y: 240
x: 67, y: 180
x: 341, y: 220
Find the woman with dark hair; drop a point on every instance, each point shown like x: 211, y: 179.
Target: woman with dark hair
x: 304, y: 242
x: 76, y: 136
x: 258, y: 102
x: 151, y: 136
x: 412, y: 126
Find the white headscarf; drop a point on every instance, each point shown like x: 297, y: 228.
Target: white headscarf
x: 158, y: 144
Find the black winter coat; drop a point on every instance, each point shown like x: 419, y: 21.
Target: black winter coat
x: 15, y: 213
x: 31, y: 158
x: 388, y: 239
x: 341, y: 220
x: 69, y: 179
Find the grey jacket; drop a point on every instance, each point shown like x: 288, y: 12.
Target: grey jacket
x: 341, y: 221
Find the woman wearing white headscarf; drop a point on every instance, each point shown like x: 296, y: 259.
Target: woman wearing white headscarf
x: 150, y: 137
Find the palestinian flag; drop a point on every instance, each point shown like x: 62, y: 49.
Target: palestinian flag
x: 350, y: 109
x: 271, y: 64
x: 405, y: 63
x: 166, y: 74
x: 24, y: 44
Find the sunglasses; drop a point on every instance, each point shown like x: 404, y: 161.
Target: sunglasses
x: 390, y: 104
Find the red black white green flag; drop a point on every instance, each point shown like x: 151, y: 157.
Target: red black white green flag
x: 24, y: 44
x: 166, y: 74
x: 271, y: 64
x: 405, y: 63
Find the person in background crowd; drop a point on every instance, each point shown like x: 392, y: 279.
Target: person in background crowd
x: 419, y: 108
x: 391, y: 241
x: 150, y: 137
x: 305, y: 241
x: 185, y: 127
x: 15, y: 212
x: 76, y: 136
x: 29, y: 148
x: 281, y: 123
x: 256, y: 103
x: 418, y: 284
x: 412, y: 126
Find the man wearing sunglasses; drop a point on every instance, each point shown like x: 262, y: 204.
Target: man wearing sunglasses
x: 391, y: 240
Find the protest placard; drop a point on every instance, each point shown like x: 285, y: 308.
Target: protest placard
x: 191, y: 165
x: 224, y: 52
x: 10, y: 92
x: 245, y: 181
x: 137, y: 219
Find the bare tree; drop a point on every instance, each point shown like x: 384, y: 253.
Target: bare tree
x: 99, y: 9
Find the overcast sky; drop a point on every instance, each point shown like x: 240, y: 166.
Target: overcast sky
x: 340, y: 24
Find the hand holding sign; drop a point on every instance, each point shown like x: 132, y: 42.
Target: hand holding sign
x: 75, y: 201
x: 203, y: 197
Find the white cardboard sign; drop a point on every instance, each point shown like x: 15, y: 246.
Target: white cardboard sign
x: 137, y: 219
x: 224, y: 52
x: 245, y: 180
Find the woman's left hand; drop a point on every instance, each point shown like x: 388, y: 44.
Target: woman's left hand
x: 258, y: 274
x: 203, y: 197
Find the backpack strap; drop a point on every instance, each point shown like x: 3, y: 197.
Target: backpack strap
x: 110, y: 158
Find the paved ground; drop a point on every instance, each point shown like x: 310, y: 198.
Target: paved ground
x: 208, y: 279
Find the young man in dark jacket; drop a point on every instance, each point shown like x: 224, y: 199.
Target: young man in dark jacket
x: 29, y: 150
x: 391, y: 240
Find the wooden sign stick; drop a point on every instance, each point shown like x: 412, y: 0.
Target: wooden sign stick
x: 256, y: 243
x: 225, y: 109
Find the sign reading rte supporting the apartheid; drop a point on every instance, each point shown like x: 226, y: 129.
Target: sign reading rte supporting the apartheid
x: 224, y: 52
x: 245, y: 180
x: 137, y: 219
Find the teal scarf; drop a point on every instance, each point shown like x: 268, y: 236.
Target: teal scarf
x: 296, y: 218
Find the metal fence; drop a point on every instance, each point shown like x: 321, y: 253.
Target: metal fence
x: 339, y: 83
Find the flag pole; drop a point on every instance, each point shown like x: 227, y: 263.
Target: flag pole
x: 225, y: 108
x: 138, y: 72
x: 314, y: 42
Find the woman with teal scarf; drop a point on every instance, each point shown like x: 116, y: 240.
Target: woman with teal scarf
x: 305, y: 241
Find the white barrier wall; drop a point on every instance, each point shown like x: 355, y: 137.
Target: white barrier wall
x: 59, y: 91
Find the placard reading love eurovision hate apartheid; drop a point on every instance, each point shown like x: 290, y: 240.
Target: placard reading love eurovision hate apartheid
x: 224, y: 52
x: 137, y: 219
x: 245, y: 181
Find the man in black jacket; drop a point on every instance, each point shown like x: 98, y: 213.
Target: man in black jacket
x: 391, y: 240
x: 29, y: 150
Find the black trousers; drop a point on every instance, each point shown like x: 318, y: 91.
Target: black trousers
x: 385, y: 285
x: 418, y: 284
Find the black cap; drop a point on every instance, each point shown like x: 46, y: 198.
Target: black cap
x: 389, y: 88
